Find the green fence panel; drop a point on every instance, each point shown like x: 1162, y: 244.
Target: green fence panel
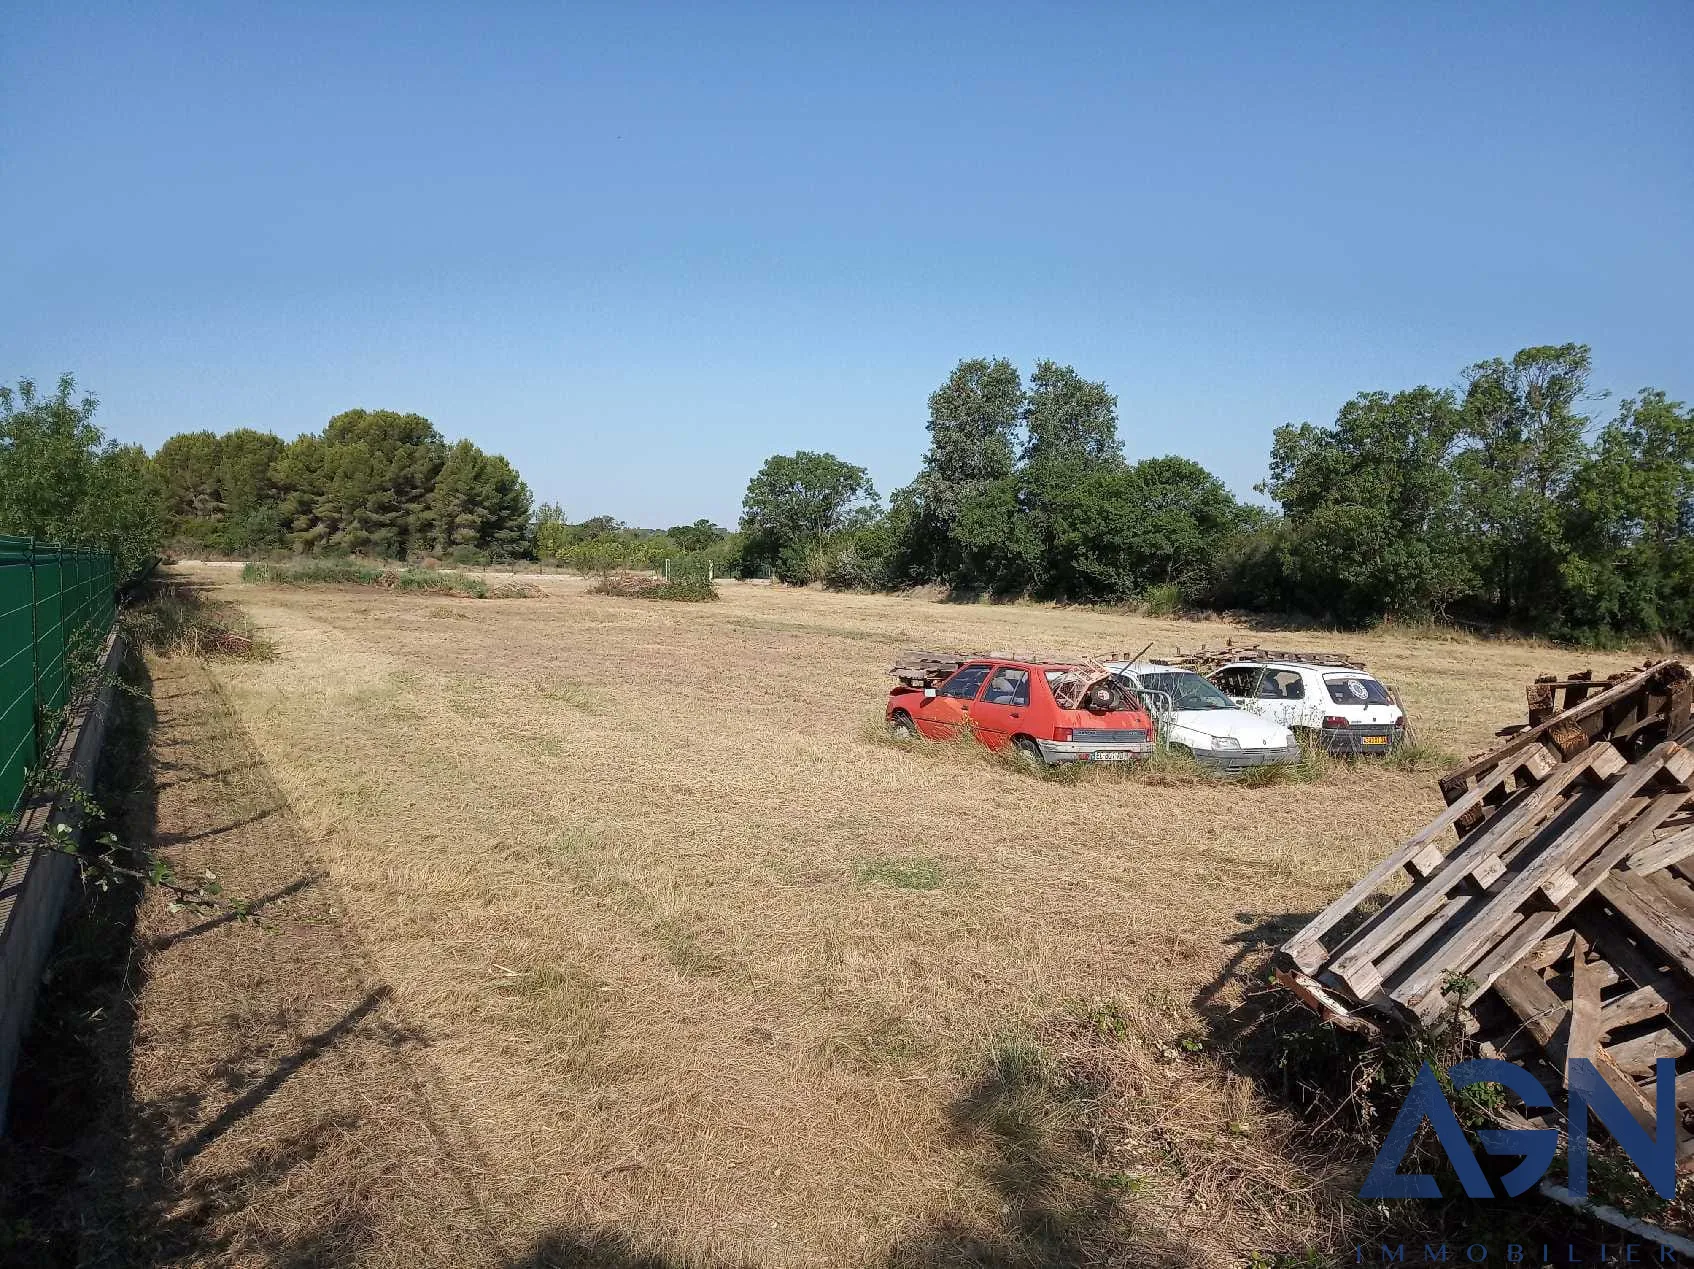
x: 56, y: 606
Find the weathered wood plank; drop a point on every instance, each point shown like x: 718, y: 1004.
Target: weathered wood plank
x: 1529, y: 810
x: 1619, y: 691
x: 1419, y: 992
x: 1610, y: 937
x: 1583, y: 1040
x: 1306, y: 948
x: 1662, y: 854
x: 1631, y: 1008
x: 1653, y: 916
x: 1636, y: 1057
x: 1518, y: 942
x: 1545, y: 1017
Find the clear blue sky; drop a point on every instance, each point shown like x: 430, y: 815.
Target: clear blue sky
x: 638, y: 248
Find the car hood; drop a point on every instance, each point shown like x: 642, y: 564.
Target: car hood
x: 1250, y: 730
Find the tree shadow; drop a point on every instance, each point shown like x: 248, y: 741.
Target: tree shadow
x: 1057, y: 1207
x: 252, y: 909
x: 60, y: 1188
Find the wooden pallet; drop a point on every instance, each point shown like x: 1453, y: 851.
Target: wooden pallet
x: 1633, y: 712
x: 1590, y: 992
x: 1471, y: 914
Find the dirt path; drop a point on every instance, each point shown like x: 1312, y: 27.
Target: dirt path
x: 281, y: 1109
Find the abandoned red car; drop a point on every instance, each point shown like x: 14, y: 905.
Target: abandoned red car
x: 1014, y: 703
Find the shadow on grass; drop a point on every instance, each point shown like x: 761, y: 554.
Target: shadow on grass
x: 73, y: 1071
x: 1057, y: 1207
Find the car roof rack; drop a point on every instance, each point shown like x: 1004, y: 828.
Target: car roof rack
x: 1204, y: 659
x: 921, y: 668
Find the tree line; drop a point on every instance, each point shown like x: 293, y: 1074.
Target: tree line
x: 373, y: 482
x: 1499, y: 501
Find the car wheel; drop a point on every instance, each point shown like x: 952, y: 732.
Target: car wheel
x: 1029, y: 751
x: 901, y: 726
x: 1309, y: 739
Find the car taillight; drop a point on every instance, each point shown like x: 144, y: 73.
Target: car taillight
x: 1335, y: 720
x: 1061, y: 733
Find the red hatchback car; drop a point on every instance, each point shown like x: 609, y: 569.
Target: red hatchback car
x: 1011, y: 703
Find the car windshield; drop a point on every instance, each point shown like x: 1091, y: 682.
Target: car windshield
x: 1187, y: 690
x: 1356, y: 689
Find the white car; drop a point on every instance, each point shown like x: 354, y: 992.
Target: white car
x: 1194, y: 716
x: 1345, y: 709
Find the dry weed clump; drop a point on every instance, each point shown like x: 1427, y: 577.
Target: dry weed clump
x: 183, y: 620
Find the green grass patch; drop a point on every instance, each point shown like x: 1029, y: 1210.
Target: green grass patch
x: 341, y: 572
x: 684, y: 949
x: 311, y: 573
x: 914, y: 873
x: 1412, y: 756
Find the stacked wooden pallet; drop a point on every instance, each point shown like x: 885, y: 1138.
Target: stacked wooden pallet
x: 1550, y: 906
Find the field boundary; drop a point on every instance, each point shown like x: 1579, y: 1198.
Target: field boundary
x: 32, y: 892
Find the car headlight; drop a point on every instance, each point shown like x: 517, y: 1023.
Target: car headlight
x: 1225, y: 742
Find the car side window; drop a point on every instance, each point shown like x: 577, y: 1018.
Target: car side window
x: 1283, y: 685
x: 1238, y: 681
x: 965, y: 683
x: 1007, y: 687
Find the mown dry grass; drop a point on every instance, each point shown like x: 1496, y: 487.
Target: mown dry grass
x: 717, y: 977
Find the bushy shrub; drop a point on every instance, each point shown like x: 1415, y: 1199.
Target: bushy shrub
x: 347, y: 572
x: 624, y: 585
x: 1163, y: 600
x: 325, y: 572
x: 688, y: 590
x: 439, y: 583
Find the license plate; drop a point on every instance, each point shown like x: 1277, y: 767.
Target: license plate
x: 1110, y: 755
x: 1373, y: 740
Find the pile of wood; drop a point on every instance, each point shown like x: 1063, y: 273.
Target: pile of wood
x: 1550, y: 908
x: 1204, y: 660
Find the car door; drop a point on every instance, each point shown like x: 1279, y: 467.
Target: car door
x: 1240, y: 683
x: 999, y: 711
x: 942, y: 716
x: 1281, y: 696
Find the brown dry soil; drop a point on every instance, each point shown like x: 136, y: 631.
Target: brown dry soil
x: 606, y: 932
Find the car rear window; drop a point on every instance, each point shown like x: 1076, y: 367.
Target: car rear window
x: 1356, y: 689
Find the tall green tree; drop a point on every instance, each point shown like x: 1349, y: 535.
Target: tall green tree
x: 1369, y: 504
x: 1071, y: 460
x: 796, y: 506
x: 699, y: 536
x: 963, y: 487
x: 48, y: 447
x: 63, y: 482
x: 1524, y: 445
x: 1629, y: 527
x: 478, y: 502
x: 381, y: 466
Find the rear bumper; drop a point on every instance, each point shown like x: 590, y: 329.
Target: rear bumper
x: 1235, y: 761
x: 1057, y: 751
x: 1361, y: 741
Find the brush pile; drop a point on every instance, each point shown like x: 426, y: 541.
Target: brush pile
x: 1550, y: 907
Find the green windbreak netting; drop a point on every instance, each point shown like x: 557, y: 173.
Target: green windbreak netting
x: 56, y: 605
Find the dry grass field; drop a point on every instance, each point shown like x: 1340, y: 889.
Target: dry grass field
x: 706, y: 972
